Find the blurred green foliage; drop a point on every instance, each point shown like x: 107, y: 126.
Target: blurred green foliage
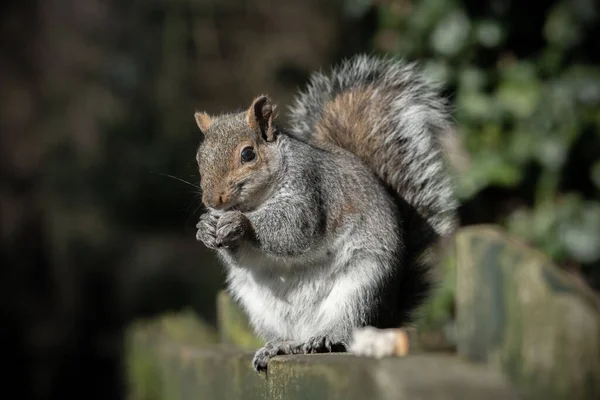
x: 524, y: 82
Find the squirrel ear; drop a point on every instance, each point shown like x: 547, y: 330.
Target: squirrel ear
x: 203, y: 120
x: 260, y: 117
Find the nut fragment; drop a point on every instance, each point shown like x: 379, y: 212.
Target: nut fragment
x: 378, y: 343
x: 401, y: 347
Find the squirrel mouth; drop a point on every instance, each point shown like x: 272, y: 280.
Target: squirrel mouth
x: 230, y: 206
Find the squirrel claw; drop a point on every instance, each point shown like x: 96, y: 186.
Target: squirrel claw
x: 231, y: 227
x: 323, y: 344
x: 318, y: 344
x: 270, y: 350
x: 206, y: 232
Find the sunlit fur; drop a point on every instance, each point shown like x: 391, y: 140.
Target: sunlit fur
x: 242, y: 185
x: 342, y: 203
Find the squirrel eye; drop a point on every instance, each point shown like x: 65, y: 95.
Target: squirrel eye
x: 248, y: 154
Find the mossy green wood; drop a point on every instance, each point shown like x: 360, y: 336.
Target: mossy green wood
x: 182, y: 371
x: 233, y: 324
x: 519, y: 312
x: 218, y: 372
x: 417, y: 377
x: 144, y: 341
x: 434, y: 323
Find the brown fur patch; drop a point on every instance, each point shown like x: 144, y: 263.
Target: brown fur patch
x: 346, y: 209
x: 348, y: 119
x: 238, y: 170
x: 259, y: 112
x: 203, y: 120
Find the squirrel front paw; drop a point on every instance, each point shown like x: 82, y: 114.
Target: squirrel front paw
x: 272, y: 349
x: 317, y: 344
x: 323, y: 344
x: 231, y: 226
x: 207, y: 230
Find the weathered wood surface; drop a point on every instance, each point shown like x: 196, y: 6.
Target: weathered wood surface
x: 224, y: 372
x: 523, y: 329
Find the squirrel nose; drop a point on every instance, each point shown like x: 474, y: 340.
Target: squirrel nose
x: 217, y: 200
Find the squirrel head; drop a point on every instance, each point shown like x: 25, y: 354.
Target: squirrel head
x: 237, y: 158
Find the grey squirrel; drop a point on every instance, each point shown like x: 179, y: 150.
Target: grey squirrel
x: 324, y: 226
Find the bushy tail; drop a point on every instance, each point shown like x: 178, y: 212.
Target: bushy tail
x: 385, y: 112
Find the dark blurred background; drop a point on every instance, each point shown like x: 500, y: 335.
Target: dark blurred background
x: 97, y: 109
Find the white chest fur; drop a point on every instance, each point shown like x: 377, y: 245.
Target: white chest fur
x: 298, y: 301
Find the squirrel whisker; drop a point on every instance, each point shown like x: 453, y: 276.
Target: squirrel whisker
x: 178, y: 179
